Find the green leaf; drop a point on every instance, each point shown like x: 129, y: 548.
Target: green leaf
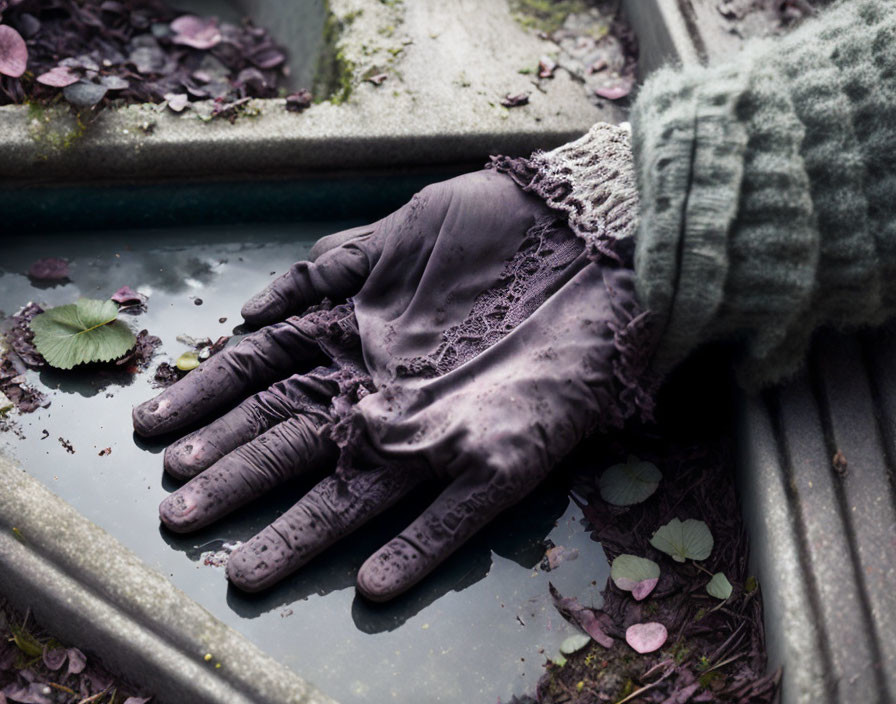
x: 26, y: 642
x: 637, y: 575
x: 574, y: 643
x: 630, y: 482
x: 187, y: 361
x: 558, y: 660
x: 5, y: 404
x: 86, y: 331
x: 688, y: 540
x: 719, y: 586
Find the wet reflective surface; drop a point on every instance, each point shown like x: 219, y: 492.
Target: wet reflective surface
x: 476, y: 631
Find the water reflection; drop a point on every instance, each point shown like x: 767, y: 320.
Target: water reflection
x: 86, y: 379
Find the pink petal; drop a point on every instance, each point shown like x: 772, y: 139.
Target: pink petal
x: 77, y: 661
x: 644, y: 587
x: 640, y: 589
x: 13, y: 52
x: 58, y: 77
x: 176, y: 101
x: 616, y: 89
x: 54, y: 658
x: 127, y: 296
x: 197, y: 32
x: 646, y: 637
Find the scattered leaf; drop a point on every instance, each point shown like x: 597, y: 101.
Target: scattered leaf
x: 574, y: 643
x: 50, y: 269
x: 165, y: 375
x: 26, y: 642
x: 115, y: 82
x: 559, y: 660
x: 296, y: 102
x: 126, y: 296
x: 634, y: 574
x: 546, y: 67
x: 177, y: 101
x: 688, y: 540
x: 86, y: 331
x: 515, y: 101
x: 556, y: 555
x: 13, y: 52
x: 84, y: 94
x: 630, y: 482
x: 187, y: 361
x: 54, y: 658
x: 719, y: 586
x: 197, y: 32
x: 5, y: 404
x: 59, y: 77
x: 77, y: 661
x: 646, y: 637
x: 616, y: 88
x: 587, y: 619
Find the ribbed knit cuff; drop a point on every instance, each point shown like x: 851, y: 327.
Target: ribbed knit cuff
x: 689, y: 152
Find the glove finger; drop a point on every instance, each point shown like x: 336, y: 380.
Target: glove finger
x: 305, y: 395
x: 257, y: 361
x: 331, y: 510
x: 336, y: 273
x: 337, y: 239
x: 464, y: 507
x: 287, y: 450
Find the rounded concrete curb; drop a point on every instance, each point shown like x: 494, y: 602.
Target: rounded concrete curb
x: 91, y: 591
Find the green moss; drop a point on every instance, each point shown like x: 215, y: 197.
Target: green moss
x: 545, y: 15
x: 54, y: 129
x: 335, y: 72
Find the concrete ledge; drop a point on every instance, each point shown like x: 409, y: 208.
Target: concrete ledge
x: 818, y: 490
x: 94, y: 593
x: 449, y: 64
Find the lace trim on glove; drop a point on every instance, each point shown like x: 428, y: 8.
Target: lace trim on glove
x: 526, y: 281
x: 592, y: 182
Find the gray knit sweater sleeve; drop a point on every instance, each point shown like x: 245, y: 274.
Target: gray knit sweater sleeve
x: 768, y: 191
x: 762, y: 197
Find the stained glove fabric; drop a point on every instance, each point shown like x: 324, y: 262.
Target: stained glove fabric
x: 479, y: 344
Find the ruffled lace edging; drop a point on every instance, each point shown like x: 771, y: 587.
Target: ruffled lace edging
x: 591, y: 181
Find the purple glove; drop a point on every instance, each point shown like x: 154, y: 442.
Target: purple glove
x: 479, y: 345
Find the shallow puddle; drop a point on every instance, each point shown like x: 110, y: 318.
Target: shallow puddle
x: 476, y: 631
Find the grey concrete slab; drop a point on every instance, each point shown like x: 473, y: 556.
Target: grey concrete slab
x: 792, y: 637
x: 448, y: 63
x: 825, y: 546
x: 92, y: 591
x: 665, y: 33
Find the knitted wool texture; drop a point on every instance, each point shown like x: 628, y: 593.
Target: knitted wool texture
x: 768, y: 190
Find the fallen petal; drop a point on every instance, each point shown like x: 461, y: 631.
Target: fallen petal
x: 59, y: 77
x: 646, y: 637
x: 13, y: 52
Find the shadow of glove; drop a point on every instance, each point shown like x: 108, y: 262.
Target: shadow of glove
x: 480, y: 346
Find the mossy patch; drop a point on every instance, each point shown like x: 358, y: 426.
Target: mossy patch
x: 545, y: 15
x: 55, y: 128
x: 334, y: 79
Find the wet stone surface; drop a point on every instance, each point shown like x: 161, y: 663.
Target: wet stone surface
x: 480, y: 629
